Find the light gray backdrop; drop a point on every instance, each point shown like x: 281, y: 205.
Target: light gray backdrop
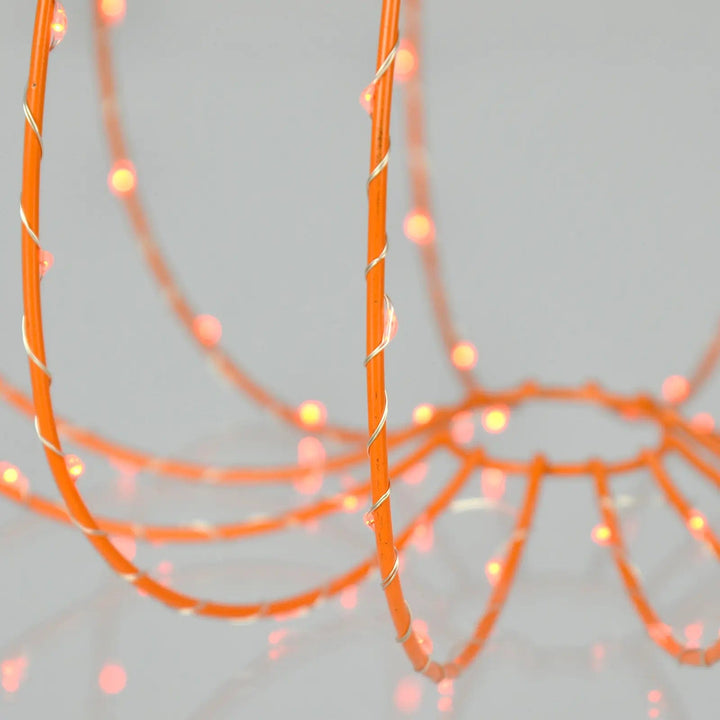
x: 575, y: 160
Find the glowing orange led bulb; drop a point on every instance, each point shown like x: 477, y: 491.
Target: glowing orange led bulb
x: 492, y: 483
x: 122, y: 177
x: 493, y: 568
x: 495, y: 418
x: 112, y: 679
x: 58, y: 25
x: 75, y: 466
x: 312, y: 413
x: 464, y: 355
x: 10, y: 474
x: 675, y: 389
x: 601, y: 534
x: 207, y: 329
x: 419, y: 227
x: 366, y: 98
x: 45, y: 260
x: 405, y: 61
x: 349, y: 597
x: 408, y: 695
x: 703, y: 423
x: 423, y: 414
x: 696, y: 522
x: 112, y: 11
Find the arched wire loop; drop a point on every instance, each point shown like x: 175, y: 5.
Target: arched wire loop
x: 658, y: 631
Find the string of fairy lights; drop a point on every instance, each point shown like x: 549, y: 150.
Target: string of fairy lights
x: 431, y: 430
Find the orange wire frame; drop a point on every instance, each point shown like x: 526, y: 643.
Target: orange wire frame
x: 697, y: 446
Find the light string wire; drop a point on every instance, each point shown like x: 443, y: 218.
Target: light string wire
x: 676, y: 433
x: 378, y: 412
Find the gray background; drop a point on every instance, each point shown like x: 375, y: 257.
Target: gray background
x: 575, y: 163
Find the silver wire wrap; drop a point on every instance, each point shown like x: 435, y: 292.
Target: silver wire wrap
x: 424, y: 668
x: 32, y: 122
x: 133, y: 577
x: 378, y: 169
x: 393, y: 573
x: 385, y: 65
x: 193, y: 609
x: 380, y: 426
x: 26, y: 225
x: 95, y: 532
x: 385, y: 496
x: 47, y: 443
x: 379, y: 258
x: 35, y: 359
x: 406, y: 635
x: 387, y: 331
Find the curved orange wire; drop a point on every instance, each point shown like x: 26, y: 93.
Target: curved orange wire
x: 377, y: 412
x: 676, y: 433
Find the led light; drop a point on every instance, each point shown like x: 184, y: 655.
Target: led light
x: 653, y: 713
x: 423, y: 414
x: 445, y: 687
x: 703, y: 423
x: 369, y: 519
x: 464, y: 356
x: 418, y: 227
x: 350, y: 503
x: 408, y: 695
x: 75, y: 466
x: 601, y: 534
x: 207, y: 329
x: 12, y: 672
x: 420, y: 628
x: 311, y: 452
x: 122, y: 177
x: 492, y: 483
x: 312, y: 413
x: 349, y: 597
x: 445, y: 704
x: 693, y: 634
x: 493, y: 570
x: 416, y: 474
x: 423, y: 537
x: 495, y: 418
x: 112, y: 679
x: 696, y: 522
x: 46, y: 260
x: 112, y: 11
x: 462, y: 427
x: 405, y: 61
x: 675, y: 389
x: 654, y: 696
x: 276, y: 636
x: 366, y: 98
x: 58, y: 25
x: 125, y: 545
x: 10, y: 475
